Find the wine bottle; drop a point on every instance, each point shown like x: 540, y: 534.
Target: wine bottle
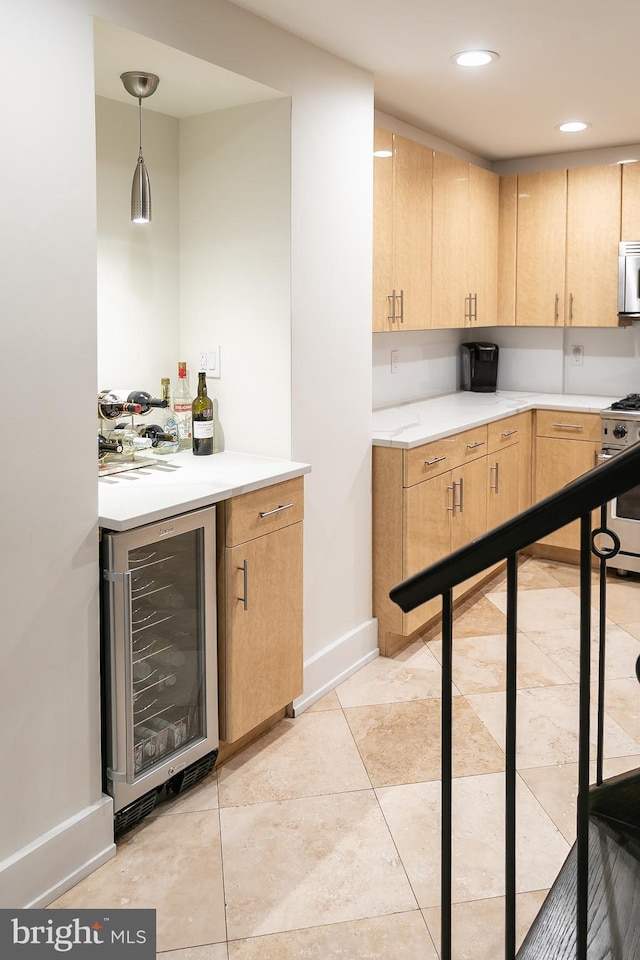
x: 110, y: 406
x: 167, y: 420
x: 130, y: 440
x: 146, y: 401
x: 156, y: 434
x: 202, y: 417
x: 182, y: 408
x: 107, y: 446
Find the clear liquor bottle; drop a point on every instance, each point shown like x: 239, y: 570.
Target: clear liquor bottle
x: 182, y: 401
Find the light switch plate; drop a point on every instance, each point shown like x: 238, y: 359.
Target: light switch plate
x: 213, y: 363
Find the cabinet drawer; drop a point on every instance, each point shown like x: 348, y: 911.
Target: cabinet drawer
x: 504, y: 433
x: 262, y: 511
x: 561, y: 423
x: 432, y: 459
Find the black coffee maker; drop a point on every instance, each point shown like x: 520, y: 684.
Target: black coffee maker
x: 479, y: 362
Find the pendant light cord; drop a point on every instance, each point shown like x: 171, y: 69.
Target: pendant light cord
x: 140, y: 127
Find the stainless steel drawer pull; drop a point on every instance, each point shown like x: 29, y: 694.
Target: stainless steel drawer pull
x: 430, y: 463
x: 245, y: 573
x: 494, y: 486
x: 569, y: 426
x: 452, y: 508
x: 269, y: 513
x: 509, y: 433
x: 478, y: 443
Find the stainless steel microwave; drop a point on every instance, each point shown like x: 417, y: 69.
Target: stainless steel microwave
x: 629, y: 280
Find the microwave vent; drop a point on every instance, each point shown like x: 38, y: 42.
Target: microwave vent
x: 629, y: 248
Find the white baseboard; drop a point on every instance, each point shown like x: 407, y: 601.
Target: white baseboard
x: 339, y: 660
x: 49, y: 866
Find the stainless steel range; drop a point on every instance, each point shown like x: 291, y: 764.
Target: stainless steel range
x: 620, y: 430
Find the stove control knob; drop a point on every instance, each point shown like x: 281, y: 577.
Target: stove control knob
x: 619, y: 431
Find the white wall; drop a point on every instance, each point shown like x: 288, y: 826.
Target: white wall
x: 53, y: 824
x: 235, y: 267
x: 536, y: 359
x: 138, y: 264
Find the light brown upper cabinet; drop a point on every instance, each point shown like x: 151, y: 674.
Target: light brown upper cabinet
x: 401, y: 234
x: 465, y: 244
x: 559, y: 246
x: 630, y: 201
x: 540, y: 248
x: 593, y: 234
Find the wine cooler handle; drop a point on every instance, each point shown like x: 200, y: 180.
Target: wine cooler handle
x: 127, y: 626
x: 124, y: 697
x: 245, y: 572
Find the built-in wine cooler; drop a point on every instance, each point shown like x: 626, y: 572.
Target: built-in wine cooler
x: 160, y: 705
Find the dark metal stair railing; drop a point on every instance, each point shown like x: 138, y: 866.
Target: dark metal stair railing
x: 575, y: 502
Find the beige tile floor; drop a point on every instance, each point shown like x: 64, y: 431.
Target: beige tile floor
x: 321, y: 840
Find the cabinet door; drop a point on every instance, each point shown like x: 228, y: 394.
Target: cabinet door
x: 593, y: 232
x: 263, y: 629
x: 426, y: 536
x: 630, y: 229
x: 383, y: 232
x: 483, y: 245
x: 507, y: 230
x: 541, y: 235
x: 503, y: 485
x: 450, y: 290
x: 558, y: 461
x: 401, y: 234
x: 470, y: 502
x: 412, y: 192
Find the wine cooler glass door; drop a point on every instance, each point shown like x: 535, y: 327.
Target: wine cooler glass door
x: 165, y: 663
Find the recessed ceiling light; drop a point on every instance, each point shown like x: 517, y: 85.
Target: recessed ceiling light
x: 474, y: 58
x: 573, y: 126
x: 383, y: 153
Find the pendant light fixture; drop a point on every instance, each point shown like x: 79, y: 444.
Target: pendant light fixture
x: 140, y: 85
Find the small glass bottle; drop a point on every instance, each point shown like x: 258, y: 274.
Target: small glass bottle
x: 202, y: 417
x: 167, y: 422
x: 182, y: 400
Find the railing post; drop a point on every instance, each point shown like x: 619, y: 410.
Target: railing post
x: 582, y: 893
x: 602, y: 651
x: 510, y: 750
x: 447, y: 775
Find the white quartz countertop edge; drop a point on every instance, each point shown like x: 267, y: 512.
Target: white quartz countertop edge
x: 408, y: 425
x: 181, y: 483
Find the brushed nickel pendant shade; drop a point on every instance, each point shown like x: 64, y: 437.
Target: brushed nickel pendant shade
x: 140, y: 85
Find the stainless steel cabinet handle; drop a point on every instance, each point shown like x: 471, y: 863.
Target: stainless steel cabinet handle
x: 570, y: 307
x: 478, y: 443
x: 402, y: 306
x: 494, y: 486
x: 475, y: 307
x: 459, y: 504
x: 556, y: 309
x: 245, y: 588
x: 569, y: 426
x: 430, y: 463
x: 452, y: 508
x: 269, y: 513
x: 392, y: 316
x: 508, y: 433
x: 467, y: 308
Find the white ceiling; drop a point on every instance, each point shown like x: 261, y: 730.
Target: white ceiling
x: 559, y: 60
x: 188, y: 87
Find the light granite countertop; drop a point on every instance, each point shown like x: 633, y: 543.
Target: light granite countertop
x: 180, y: 482
x: 408, y: 425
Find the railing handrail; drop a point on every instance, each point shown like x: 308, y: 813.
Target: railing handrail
x: 579, y: 497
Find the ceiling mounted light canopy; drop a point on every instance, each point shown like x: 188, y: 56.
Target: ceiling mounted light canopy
x: 475, y: 58
x: 573, y: 126
x: 140, y: 85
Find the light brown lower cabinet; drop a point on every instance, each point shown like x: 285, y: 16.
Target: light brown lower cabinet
x: 567, y: 445
x: 435, y: 498
x: 260, y: 651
